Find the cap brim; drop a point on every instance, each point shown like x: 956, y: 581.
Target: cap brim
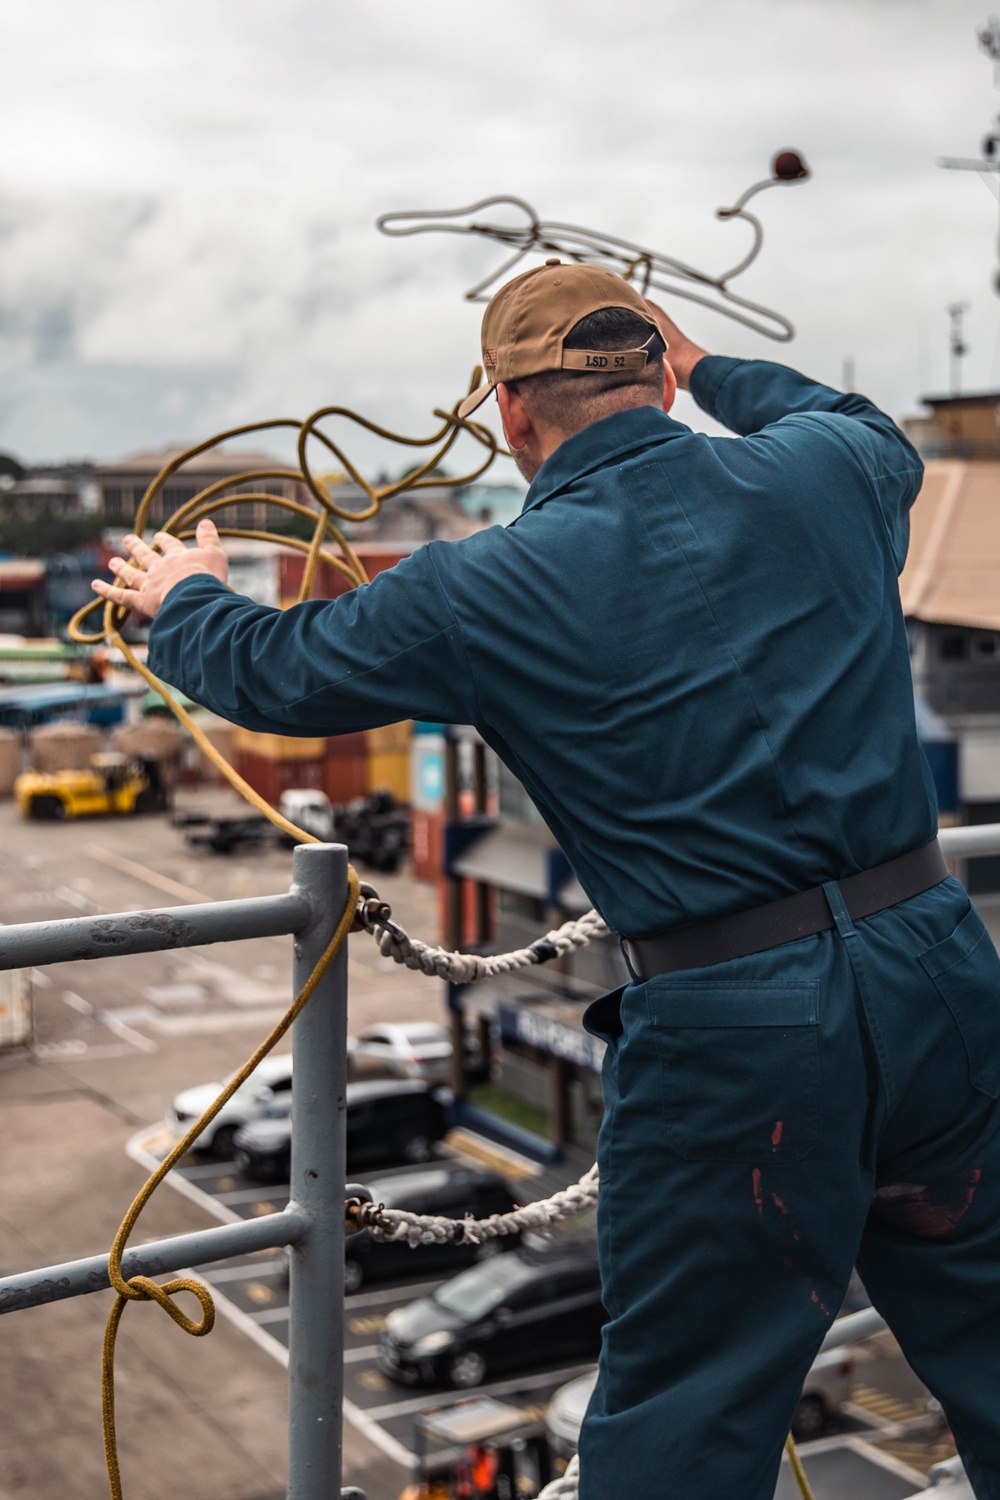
x: 475, y: 399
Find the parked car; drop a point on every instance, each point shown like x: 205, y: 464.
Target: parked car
x: 516, y: 1310
x: 826, y: 1388
x: 412, y: 1049
x: 267, y: 1092
x: 389, y: 1122
x: 452, y: 1192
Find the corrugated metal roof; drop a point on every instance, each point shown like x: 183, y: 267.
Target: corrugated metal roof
x: 952, y: 573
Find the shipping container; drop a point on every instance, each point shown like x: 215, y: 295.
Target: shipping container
x: 389, y: 771
x: 279, y: 746
x: 427, y: 835
x: 272, y: 777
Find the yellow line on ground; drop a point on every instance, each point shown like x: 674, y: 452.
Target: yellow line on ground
x: 144, y: 873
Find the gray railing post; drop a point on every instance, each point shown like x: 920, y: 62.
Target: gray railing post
x: 316, y: 1291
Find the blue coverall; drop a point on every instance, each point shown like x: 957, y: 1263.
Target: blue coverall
x: 691, y: 652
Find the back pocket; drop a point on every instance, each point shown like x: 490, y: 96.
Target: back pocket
x: 966, y: 972
x: 740, y: 1066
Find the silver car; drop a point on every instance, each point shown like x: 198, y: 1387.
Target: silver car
x: 826, y: 1388
x: 409, y: 1049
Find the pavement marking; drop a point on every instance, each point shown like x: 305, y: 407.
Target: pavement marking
x: 41, y: 979
x: 373, y: 1324
x: 73, y: 898
x: 389, y: 1445
x: 390, y: 1294
x: 77, y: 1002
x: 244, y: 1321
x: 208, y: 1169
x: 247, y: 1195
x: 127, y: 1033
x: 75, y: 1047
x: 918, y: 1456
x: 137, y: 1149
x: 499, y: 1388
x: 501, y: 1158
x: 146, y: 875
x: 209, y: 1021
x: 354, y: 1356
x: 884, y: 1460
x: 244, y: 1273
x: 258, y: 1292
x: 271, y: 1315
x: 890, y: 1408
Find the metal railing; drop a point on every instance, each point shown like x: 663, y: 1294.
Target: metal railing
x: 313, y: 1222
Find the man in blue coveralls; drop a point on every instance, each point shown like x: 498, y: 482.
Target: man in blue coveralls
x: 690, y: 651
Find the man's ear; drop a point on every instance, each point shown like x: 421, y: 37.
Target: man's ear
x: 517, y: 425
x: 669, y: 385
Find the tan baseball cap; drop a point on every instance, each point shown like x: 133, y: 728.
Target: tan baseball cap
x: 527, y: 320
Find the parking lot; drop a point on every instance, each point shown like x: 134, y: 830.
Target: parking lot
x: 115, y: 1040
x: 879, y: 1448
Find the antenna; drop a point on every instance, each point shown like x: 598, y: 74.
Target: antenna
x: 957, y: 347
x: 988, y: 162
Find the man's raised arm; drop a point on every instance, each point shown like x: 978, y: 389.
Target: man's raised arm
x: 386, y: 651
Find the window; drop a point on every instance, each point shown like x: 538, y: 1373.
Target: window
x: 954, y: 646
x: 985, y: 647
x: 113, y: 500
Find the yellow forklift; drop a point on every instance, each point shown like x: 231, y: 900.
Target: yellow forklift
x: 112, y: 783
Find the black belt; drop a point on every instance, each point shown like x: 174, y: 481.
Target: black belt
x: 792, y: 917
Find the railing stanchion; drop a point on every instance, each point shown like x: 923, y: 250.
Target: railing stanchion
x: 316, y: 1291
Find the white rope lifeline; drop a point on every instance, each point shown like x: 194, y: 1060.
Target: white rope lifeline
x: 399, y: 1225
x: 465, y: 968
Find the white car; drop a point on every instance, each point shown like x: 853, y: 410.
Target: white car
x: 826, y: 1388
x: 411, y: 1049
x: 267, y: 1093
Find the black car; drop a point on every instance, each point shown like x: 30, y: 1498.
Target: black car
x: 389, y: 1122
x: 534, y: 1306
x: 452, y: 1192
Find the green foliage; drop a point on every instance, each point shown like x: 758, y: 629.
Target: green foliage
x: 510, y: 1106
x: 40, y: 533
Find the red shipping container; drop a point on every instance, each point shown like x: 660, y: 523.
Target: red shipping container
x: 345, y: 777
x: 272, y: 777
x: 427, y: 840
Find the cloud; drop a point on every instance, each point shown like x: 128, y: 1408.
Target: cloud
x: 188, y: 195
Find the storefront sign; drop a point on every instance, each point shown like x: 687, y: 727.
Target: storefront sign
x: 524, y: 1024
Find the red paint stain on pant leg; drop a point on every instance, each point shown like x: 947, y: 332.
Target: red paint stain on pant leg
x: 758, y: 1196
x: 779, y: 1203
x: 927, y: 1210
x: 779, y: 1126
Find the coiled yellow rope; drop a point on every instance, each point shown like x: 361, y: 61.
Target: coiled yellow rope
x: 325, y: 530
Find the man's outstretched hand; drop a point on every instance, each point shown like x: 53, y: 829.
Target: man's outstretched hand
x: 150, y: 576
x: 682, y: 353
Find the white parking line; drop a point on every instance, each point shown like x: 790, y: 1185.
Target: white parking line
x: 499, y: 1388
x: 252, y: 1195
x: 271, y: 1315
x: 77, y: 1002
x: 127, y: 1034
x: 390, y: 1294
x: 74, y: 1047
x: 209, y: 1169
x: 42, y: 980
x: 244, y: 1273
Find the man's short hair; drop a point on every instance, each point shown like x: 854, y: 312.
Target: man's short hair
x: 571, y: 399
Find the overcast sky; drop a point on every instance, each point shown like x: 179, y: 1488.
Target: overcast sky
x: 188, y: 190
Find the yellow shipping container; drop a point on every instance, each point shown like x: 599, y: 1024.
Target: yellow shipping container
x: 389, y: 739
x: 390, y: 772
x: 279, y: 746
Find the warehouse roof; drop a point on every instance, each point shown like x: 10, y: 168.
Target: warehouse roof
x: 952, y: 573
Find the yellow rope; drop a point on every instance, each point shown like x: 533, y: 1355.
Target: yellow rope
x: 798, y: 1471
x: 181, y: 524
